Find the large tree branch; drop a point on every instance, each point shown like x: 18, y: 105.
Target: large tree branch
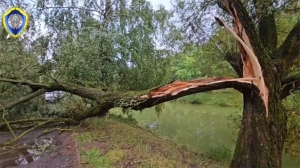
x: 179, y: 89
x: 266, y: 24
x: 243, y: 23
x: 289, y: 50
x: 290, y: 85
x: 138, y: 100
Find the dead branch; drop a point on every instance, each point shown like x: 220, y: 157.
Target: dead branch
x: 251, y: 65
x: 244, y: 24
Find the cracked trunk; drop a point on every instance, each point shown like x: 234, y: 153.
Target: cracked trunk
x: 260, y: 140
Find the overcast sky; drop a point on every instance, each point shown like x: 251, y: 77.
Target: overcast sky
x: 155, y: 3
x: 166, y: 3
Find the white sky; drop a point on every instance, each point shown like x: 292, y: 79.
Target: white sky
x: 166, y: 3
x: 155, y: 4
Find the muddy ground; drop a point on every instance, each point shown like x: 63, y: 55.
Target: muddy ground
x: 57, y: 149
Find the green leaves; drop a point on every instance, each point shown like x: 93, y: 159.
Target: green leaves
x: 199, y: 62
x: 117, y: 52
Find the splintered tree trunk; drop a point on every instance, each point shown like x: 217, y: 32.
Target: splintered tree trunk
x: 260, y: 140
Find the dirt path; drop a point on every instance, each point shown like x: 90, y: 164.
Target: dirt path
x: 36, y: 150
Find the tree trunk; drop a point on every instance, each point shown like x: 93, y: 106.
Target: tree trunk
x: 260, y: 140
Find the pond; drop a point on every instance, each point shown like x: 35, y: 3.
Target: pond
x: 204, y: 128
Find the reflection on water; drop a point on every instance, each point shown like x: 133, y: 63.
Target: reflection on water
x: 23, y: 154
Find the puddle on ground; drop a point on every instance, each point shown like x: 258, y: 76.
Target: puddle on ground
x: 25, y: 153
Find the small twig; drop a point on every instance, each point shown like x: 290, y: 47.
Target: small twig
x: 53, y: 129
x: 7, y: 123
x: 49, y: 76
x: 24, y: 133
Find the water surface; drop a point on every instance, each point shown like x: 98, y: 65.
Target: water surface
x: 200, y: 127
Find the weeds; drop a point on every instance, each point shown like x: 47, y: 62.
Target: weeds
x: 94, y: 158
x: 220, y: 153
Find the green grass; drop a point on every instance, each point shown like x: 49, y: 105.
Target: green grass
x: 95, y: 159
x: 112, y: 142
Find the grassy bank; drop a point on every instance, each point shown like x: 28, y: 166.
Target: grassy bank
x: 115, y: 142
x: 205, y: 123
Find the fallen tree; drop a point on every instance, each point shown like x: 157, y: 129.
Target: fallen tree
x: 264, y: 81
x: 135, y: 100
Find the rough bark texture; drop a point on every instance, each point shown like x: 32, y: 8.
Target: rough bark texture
x: 260, y: 139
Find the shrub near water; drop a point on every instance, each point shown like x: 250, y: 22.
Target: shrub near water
x: 228, y: 97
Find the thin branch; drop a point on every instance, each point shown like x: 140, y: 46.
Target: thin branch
x: 23, y: 99
x: 6, y: 122
x: 74, y: 7
x: 24, y: 133
x: 289, y: 50
x: 32, y: 85
x: 82, y: 91
x: 290, y: 85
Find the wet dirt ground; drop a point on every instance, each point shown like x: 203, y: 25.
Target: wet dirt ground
x: 55, y: 149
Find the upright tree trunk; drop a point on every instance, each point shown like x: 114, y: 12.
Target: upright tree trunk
x: 260, y: 140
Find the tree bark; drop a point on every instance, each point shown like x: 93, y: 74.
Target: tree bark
x: 260, y: 140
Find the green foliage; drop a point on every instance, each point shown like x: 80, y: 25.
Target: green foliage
x: 117, y: 52
x: 199, y: 62
x: 79, y: 45
x: 216, y: 98
x: 292, y: 144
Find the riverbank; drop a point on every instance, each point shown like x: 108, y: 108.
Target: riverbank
x: 210, y: 129
x: 118, y: 142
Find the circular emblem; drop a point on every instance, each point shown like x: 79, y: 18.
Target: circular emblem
x: 15, y: 21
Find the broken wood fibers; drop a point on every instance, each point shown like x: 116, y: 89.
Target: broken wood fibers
x: 252, y: 72
x: 251, y: 66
